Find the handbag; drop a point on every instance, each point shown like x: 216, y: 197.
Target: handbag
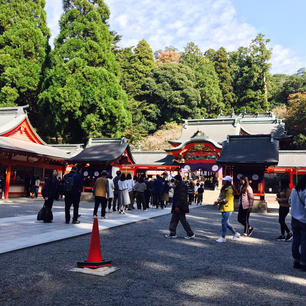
x: 41, y: 214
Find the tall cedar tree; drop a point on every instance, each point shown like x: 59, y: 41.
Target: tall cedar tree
x: 23, y: 50
x: 170, y: 89
x: 207, y: 81
x: 136, y: 64
x: 82, y: 96
x: 250, y: 71
x: 225, y: 79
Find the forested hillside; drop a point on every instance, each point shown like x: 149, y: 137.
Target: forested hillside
x: 88, y: 86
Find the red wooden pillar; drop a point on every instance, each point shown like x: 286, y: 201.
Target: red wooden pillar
x: 291, y: 179
x: 7, y: 181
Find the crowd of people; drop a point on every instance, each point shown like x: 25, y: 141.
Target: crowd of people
x: 120, y: 194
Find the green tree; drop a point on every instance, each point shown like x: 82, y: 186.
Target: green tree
x: 225, y: 79
x: 295, y: 120
x: 82, y: 95
x: 250, y: 72
x: 207, y: 81
x: 171, y: 92
x: 136, y: 64
x: 23, y: 50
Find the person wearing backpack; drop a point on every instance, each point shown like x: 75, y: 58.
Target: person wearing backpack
x: 72, y: 190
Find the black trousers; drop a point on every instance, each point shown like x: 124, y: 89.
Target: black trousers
x: 176, y: 217
x: 190, y: 197
x: 72, y: 199
x: 49, y: 203
x: 109, y: 201
x: 140, y: 200
x: 283, y: 212
x: 103, y: 202
x: 243, y: 218
x: 115, y: 201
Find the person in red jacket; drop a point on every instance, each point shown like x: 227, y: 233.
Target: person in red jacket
x: 179, y: 209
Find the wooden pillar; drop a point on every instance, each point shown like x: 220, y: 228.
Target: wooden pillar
x: 7, y: 181
x: 291, y: 179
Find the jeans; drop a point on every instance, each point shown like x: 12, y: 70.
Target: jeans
x: 283, y: 212
x: 174, y: 222
x: 103, y: 202
x: 72, y: 199
x: 299, y: 241
x: 226, y: 224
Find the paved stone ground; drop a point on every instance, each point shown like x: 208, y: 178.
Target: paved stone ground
x: 155, y: 271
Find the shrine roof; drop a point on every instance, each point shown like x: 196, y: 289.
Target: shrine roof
x: 196, y: 139
x: 152, y: 158
x: 71, y: 149
x: 103, y: 150
x: 219, y: 128
x: 250, y: 149
x: 294, y: 158
x: 11, y: 117
x: 16, y: 145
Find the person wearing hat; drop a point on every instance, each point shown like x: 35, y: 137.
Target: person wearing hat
x: 100, y: 192
x: 179, y: 209
x: 226, y: 207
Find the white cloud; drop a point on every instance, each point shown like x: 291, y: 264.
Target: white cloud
x: 285, y: 60
x: 208, y: 23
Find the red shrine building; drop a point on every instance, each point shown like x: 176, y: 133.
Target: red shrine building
x: 24, y: 156
x: 199, y: 152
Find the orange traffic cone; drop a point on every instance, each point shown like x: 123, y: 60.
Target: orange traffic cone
x: 94, y: 259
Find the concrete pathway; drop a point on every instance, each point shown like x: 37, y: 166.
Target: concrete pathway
x: 25, y: 231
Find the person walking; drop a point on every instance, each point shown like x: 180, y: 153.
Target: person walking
x: 100, y: 192
x: 226, y: 207
x: 179, y: 209
x: 50, y: 193
x: 283, y: 201
x: 297, y: 201
x: 110, y: 192
x: 246, y: 200
x: 72, y: 190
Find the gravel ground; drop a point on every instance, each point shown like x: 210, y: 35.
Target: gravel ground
x: 156, y: 271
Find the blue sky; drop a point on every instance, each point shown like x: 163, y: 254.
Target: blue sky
x: 210, y: 24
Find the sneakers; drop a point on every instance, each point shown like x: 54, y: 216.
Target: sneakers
x: 221, y: 239
x: 170, y: 236
x: 251, y: 232
x: 103, y: 217
x: 289, y: 237
x: 281, y: 237
x: 76, y: 222
x: 237, y: 235
x: 190, y: 237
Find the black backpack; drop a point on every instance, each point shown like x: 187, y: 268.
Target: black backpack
x: 68, y: 184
